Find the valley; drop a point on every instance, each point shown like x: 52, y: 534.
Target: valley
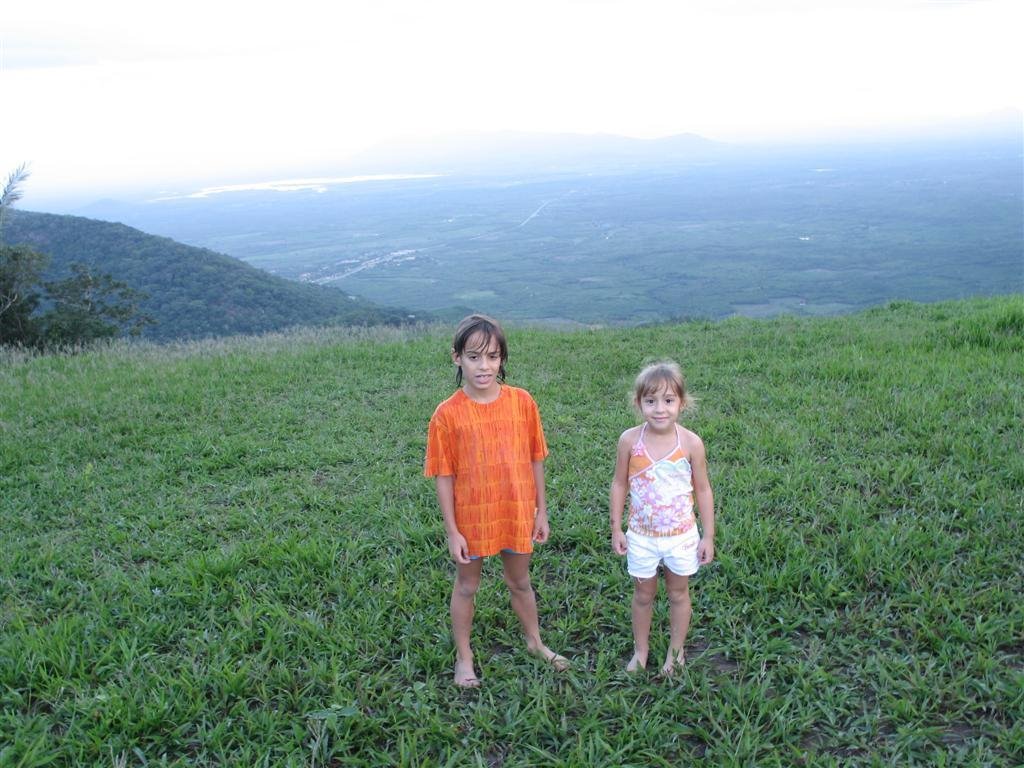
x: 805, y: 231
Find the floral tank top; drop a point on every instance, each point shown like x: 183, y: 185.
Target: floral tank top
x: 660, y: 492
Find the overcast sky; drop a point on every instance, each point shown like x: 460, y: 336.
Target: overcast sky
x: 104, y: 93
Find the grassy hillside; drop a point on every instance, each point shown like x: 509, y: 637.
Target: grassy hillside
x: 224, y: 553
x: 192, y: 292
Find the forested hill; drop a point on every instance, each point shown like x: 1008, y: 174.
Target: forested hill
x: 191, y: 292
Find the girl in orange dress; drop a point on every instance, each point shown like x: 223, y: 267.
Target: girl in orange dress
x: 486, y: 450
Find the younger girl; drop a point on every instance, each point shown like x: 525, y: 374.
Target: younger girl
x: 663, y: 467
x: 486, y: 450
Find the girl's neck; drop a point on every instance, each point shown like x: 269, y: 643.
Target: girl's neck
x: 482, y: 396
x: 667, y: 433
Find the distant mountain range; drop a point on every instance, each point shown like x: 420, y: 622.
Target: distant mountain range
x: 513, y: 153
x: 191, y: 292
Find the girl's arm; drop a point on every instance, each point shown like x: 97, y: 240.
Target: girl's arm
x: 457, y: 546
x: 617, y: 494
x: 705, y: 501
x: 541, y: 527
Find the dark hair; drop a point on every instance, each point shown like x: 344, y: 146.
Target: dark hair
x: 488, y: 328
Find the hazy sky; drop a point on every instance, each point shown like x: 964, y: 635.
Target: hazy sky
x: 106, y: 93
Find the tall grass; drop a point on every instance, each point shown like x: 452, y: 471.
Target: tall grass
x: 225, y: 553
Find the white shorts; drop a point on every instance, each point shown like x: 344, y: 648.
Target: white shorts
x: 679, y: 553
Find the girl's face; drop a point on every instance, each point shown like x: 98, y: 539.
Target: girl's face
x: 480, y: 366
x: 661, y: 408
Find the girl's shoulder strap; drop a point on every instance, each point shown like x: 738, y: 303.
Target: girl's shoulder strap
x: 689, y: 440
x: 639, y: 442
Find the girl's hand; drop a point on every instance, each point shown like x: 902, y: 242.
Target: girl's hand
x: 541, y: 529
x: 705, y: 551
x: 618, y: 542
x: 458, y: 548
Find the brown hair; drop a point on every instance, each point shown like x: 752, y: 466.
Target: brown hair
x: 660, y: 375
x: 489, y: 329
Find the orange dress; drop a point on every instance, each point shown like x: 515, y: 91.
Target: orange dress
x: 489, y: 448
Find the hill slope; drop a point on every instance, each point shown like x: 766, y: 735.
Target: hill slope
x: 192, y: 292
x: 225, y: 552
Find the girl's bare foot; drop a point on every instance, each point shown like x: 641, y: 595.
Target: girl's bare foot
x: 465, y: 677
x: 674, y: 662
x: 557, y: 662
x: 638, y: 662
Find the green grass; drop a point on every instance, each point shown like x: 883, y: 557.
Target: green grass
x: 224, y: 553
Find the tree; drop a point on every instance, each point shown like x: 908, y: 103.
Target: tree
x: 11, y: 193
x: 82, y: 308
x: 89, y: 306
x: 20, y: 271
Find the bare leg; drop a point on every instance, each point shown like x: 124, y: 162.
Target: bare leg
x: 463, y: 604
x: 644, y: 592
x: 679, y: 611
x: 524, y: 603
